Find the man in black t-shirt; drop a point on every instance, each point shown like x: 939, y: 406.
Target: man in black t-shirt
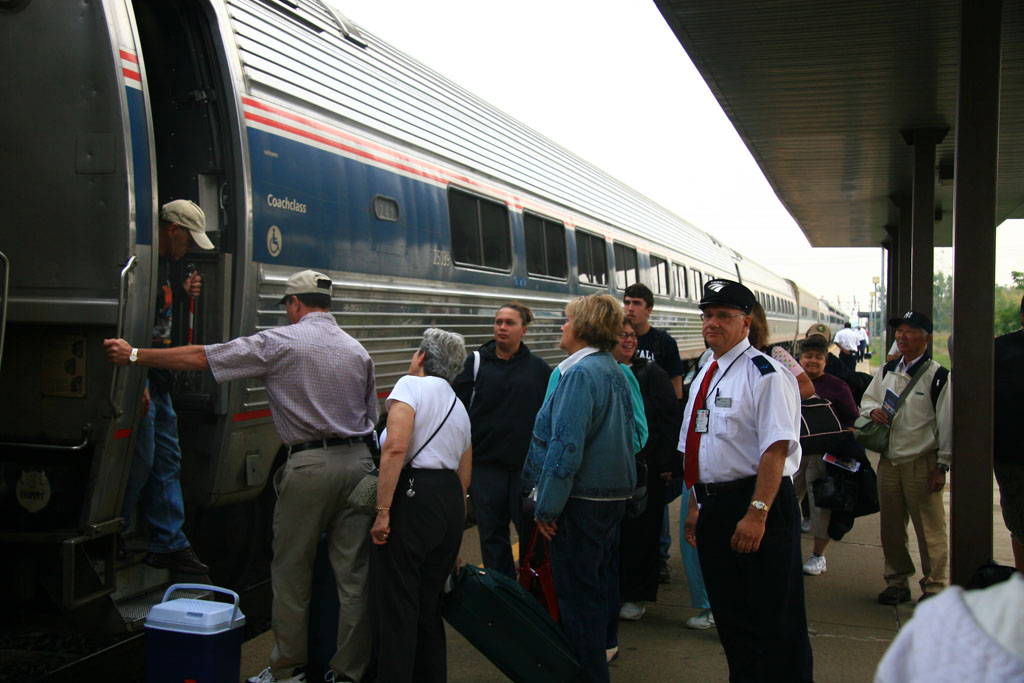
x: 652, y: 343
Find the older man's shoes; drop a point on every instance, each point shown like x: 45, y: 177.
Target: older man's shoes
x: 894, y: 595
x: 182, y: 561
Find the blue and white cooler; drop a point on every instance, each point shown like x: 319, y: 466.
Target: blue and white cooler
x: 194, y: 640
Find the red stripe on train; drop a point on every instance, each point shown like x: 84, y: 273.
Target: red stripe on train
x: 252, y: 415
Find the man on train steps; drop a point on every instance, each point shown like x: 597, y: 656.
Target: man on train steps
x: 154, y: 482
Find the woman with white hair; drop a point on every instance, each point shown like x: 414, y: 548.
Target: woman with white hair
x: 421, y: 507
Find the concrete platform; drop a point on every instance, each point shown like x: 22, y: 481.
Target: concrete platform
x: 849, y: 630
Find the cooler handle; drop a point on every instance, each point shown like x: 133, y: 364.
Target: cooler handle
x: 205, y: 587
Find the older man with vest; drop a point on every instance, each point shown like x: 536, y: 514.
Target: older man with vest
x: 912, y: 470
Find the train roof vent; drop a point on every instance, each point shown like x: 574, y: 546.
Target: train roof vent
x: 349, y: 31
x: 316, y: 16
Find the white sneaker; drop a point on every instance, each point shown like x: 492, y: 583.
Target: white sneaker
x: 632, y: 611
x: 815, y: 565
x: 702, y: 621
x: 266, y: 677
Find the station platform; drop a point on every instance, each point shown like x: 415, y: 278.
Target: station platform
x: 849, y: 630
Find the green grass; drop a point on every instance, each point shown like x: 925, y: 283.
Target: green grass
x: 940, y: 349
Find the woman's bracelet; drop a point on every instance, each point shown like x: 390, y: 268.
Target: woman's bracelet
x: 383, y: 509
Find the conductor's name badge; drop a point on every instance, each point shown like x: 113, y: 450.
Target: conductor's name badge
x: 723, y: 402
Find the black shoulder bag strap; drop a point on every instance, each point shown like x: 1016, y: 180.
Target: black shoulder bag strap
x: 411, y: 491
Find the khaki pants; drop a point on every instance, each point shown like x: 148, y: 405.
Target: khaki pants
x: 902, y: 495
x: 312, y: 489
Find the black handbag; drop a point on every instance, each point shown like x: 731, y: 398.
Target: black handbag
x: 835, y: 491
x: 820, y: 428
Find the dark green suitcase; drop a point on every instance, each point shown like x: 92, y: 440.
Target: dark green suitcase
x: 509, y: 627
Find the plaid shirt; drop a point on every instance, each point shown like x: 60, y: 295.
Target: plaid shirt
x: 319, y: 380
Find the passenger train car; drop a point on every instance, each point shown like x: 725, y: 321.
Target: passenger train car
x: 310, y: 144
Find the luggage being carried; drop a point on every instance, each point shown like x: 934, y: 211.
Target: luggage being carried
x: 509, y: 627
x: 535, y: 573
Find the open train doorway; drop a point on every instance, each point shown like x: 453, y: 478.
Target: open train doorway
x: 198, y: 157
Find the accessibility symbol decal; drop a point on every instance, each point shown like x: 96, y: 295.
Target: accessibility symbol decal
x: 274, y: 242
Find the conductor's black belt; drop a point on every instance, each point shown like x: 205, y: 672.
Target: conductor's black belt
x: 326, y: 443
x: 725, y: 488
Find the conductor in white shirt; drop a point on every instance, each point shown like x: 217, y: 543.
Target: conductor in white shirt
x: 741, y: 439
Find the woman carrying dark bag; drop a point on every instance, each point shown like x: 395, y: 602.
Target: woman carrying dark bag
x: 812, y: 467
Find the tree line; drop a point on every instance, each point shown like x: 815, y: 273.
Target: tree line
x: 1007, y: 304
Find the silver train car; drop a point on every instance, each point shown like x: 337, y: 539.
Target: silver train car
x: 310, y: 144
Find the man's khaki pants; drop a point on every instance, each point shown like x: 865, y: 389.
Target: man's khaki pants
x: 902, y: 495
x: 313, y: 489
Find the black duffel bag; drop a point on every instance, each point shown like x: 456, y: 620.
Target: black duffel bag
x: 820, y: 428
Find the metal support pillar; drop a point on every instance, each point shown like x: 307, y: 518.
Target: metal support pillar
x: 891, y: 308
x: 974, y: 242
x: 904, y: 267
x: 922, y: 232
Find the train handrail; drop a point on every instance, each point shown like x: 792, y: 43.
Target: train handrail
x: 122, y: 301
x: 3, y: 304
x: 86, y: 433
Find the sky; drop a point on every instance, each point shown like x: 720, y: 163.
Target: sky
x: 609, y: 81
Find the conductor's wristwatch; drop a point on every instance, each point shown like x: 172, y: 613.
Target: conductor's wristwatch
x: 944, y: 467
x: 133, y: 357
x: 759, y: 505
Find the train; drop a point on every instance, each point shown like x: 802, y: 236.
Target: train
x: 309, y: 143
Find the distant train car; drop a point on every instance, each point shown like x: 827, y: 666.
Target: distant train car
x: 831, y: 316
x: 310, y: 144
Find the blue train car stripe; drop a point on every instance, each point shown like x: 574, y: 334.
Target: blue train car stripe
x: 141, y: 176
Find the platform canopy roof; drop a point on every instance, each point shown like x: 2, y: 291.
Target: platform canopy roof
x: 822, y: 91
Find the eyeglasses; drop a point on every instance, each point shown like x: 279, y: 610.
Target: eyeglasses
x: 628, y: 335
x: 720, y: 316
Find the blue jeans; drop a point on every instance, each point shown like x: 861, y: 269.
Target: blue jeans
x: 671, y: 493
x: 691, y: 560
x: 581, y: 555
x: 155, y: 478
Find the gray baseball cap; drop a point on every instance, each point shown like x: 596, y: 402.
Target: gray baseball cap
x: 188, y: 215
x: 306, y: 282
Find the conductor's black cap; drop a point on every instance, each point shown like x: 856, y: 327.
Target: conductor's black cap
x: 719, y: 292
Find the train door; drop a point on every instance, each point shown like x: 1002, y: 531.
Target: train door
x: 77, y: 237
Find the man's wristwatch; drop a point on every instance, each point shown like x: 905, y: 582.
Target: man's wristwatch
x: 944, y: 467
x: 133, y: 357
x: 759, y: 505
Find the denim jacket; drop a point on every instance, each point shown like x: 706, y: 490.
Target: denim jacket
x: 582, y: 444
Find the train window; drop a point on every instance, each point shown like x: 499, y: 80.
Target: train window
x: 480, y: 231
x: 681, y: 282
x: 385, y: 208
x: 626, y: 271
x: 659, y: 276
x: 698, y: 286
x: 592, y: 259
x: 545, y: 247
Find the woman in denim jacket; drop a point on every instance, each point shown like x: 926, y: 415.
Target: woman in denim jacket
x: 581, y: 459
